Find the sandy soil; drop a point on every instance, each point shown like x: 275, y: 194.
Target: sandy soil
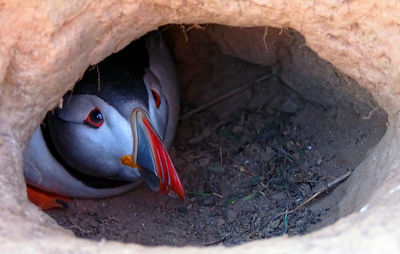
x: 243, y: 163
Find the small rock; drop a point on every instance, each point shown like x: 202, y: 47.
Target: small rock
x: 204, y: 162
x: 230, y: 216
x: 207, y: 202
x: 125, y: 232
x: 205, y: 211
x: 274, y: 224
x: 220, y: 222
x: 268, y: 154
x: 305, y: 189
x: 216, y: 169
x: 267, y: 133
x: 320, y: 160
x: 279, y: 196
x: 271, y: 226
x: 182, y: 209
x: 290, y: 145
x: 290, y: 106
x: 102, y: 231
x: 237, y: 129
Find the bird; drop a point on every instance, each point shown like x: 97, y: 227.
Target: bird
x: 112, y: 131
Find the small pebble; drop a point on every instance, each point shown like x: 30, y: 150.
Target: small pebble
x: 208, y: 202
x: 279, y: 196
x: 305, y: 189
x: 290, y: 106
x: 204, y: 162
x: 182, y: 209
x: 230, y: 216
x: 220, y: 222
x: 216, y: 169
x: 269, y: 154
x: 237, y: 129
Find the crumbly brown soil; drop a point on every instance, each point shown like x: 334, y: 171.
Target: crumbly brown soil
x: 242, y: 163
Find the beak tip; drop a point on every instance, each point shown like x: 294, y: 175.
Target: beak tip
x: 161, y: 166
x: 178, y: 194
x: 181, y: 195
x: 175, y: 190
x: 176, y: 185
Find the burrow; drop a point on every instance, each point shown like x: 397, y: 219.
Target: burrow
x: 248, y: 161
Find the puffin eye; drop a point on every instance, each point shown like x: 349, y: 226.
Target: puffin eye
x: 156, y: 97
x: 94, y: 119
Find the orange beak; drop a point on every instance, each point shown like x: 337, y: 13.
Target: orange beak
x: 152, y: 158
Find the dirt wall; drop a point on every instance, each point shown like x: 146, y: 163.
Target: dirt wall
x: 45, y: 46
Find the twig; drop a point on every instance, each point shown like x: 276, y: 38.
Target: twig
x: 285, y: 154
x: 201, y: 194
x: 98, y: 78
x: 197, y: 26
x: 265, y: 37
x: 79, y: 229
x: 245, y: 170
x: 224, y: 97
x: 184, y: 32
x: 206, y: 194
x: 319, y: 192
x: 217, y: 195
x: 207, y: 132
x: 60, y: 103
x: 285, y: 223
x: 369, y: 114
x: 218, y: 240
x: 220, y: 156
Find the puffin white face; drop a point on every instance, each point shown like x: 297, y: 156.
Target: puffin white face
x: 91, y: 136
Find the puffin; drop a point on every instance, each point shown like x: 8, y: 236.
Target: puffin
x: 112, y: 131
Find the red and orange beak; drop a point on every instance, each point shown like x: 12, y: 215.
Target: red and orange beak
x: 151, y: 157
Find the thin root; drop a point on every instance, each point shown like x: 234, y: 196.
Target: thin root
x: 319, y: 192
x: 369, y: 114
x: 224, y: 97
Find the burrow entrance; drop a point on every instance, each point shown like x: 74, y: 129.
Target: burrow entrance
x: 246, y: 162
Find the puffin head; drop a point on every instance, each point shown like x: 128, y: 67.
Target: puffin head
x: 116, y: 131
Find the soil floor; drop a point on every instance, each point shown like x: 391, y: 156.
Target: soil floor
x: 244, y: 163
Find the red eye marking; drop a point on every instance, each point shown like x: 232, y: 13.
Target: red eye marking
x: 156, y: 97
x: 94, y: 119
